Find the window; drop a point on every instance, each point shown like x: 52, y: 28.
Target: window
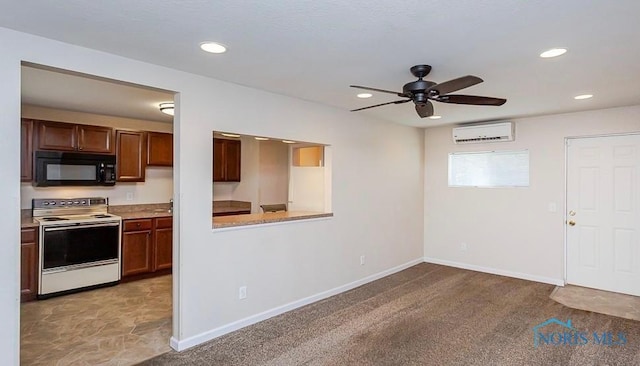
x: 489, y: 169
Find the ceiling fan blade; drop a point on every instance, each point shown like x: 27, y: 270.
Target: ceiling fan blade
x: 456, y: 84
x: 378, y: 105
x: 425, y: 110
x: 470, y: 99
x: 378, y: 90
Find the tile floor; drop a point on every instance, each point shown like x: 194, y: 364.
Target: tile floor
x: 119, y: 325
x: 603, y: 302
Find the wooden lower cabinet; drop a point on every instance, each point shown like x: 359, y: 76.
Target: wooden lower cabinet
x: 28, y: 264
x: 147, y: 246
x: 162, y: 243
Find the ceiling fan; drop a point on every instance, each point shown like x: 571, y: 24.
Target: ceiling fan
x: 421, y: 91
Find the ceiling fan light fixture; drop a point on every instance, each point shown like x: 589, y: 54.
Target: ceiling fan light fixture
x: 213, y: 47
x: 554, y: 52
x: 364, y: 95
x: 435, y: 116
x: 583, y: 96
x: 167, y: 108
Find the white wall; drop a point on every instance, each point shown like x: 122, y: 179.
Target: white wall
x: 273, y: 172
x: 158, y: 184
x: 377, y: 194
x: 510, y: 230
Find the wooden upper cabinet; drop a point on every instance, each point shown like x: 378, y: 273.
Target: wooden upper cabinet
x: 226, y: 160
x: 233, y: 160
x: 95, y: 139
x: 131, y: 155
x: 61, y: 136
x: 26, y: 150
x: 57, y: 136
x: 159, y: 149
x: 218, y: 160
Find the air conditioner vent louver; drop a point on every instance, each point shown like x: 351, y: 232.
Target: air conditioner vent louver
x: 484, y: 133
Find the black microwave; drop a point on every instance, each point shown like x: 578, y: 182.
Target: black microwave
x: 54, y: 168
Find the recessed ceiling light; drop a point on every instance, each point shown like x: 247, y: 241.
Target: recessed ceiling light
x: 288, y: 142
x: 554, y: 52
x: 364, y: 95
x: 213, y: 47
x: 261, y: 138
x: 229, y: 135
x: 583, y: 96
x: 435, y: 117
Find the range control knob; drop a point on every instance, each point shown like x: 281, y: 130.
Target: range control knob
x: 61, y: 203
x: 69, y: 202
x: 45, y: 203
x: 84, y: 202
x: 53, y: 203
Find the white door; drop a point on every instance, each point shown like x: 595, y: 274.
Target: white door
x: 603, y: 219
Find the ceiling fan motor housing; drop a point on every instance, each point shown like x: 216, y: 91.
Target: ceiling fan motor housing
x: 416, y: 90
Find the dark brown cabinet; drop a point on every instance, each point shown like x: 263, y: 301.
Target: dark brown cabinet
x: 131, y: 152
x: 226, y: 160
x: 28, y: 264
x: 26, y: 150
x: 159, y: 149
x: 162, y: 243
x: 147, y: 246
x: 136, y: 246
x: 61, y: 136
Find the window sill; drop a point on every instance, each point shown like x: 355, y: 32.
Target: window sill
x: 236, y: 221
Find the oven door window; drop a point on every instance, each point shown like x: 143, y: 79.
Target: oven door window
x: 72, y: 172
x: 76, y: 245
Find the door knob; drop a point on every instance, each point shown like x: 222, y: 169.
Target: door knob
x: 572, y: 223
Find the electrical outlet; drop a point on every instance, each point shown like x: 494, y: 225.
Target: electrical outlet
x: 463, y: 246
x: 242, y: 292
x: 129, y: 196
x: 362, y: 260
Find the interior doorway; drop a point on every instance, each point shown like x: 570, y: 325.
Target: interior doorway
x: 603, y: 213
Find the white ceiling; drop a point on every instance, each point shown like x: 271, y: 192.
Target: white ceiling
x: 314, y: 49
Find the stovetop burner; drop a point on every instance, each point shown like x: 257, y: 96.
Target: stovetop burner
x: 101, y: 216
x: 54, y: 218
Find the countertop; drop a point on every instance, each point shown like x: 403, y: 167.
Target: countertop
x: 146, y: 211
x: 265, y: 218
x: 26, y: 220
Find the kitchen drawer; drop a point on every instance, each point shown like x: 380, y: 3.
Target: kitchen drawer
x: 137, y: 225
x: 28, y: 235
x: 164, y: 222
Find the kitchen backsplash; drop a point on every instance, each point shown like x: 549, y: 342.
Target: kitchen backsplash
x: 157, y: 188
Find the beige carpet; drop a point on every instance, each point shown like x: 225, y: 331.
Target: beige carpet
x: 425, y: 315
x: 598, y: 301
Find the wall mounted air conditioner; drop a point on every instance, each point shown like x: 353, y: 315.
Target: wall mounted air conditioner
x: 503, y: 131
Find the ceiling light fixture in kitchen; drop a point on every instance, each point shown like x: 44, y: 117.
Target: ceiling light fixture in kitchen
x: 261, y: 138
x: 583, y: 96
x: 213, y: 47
x: 288, y: 142
x: 229, y: 135
x: 364, y: 95
x: 167, y: 108
x: 554, y: 52
x: 435, y: 117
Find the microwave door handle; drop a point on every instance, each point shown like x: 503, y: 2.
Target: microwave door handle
x: 101, y: 176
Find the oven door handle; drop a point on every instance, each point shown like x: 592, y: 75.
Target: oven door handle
x: 80, y: 226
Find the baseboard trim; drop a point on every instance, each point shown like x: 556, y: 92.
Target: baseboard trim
x: 181, y: 345
x: 501, y: 272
